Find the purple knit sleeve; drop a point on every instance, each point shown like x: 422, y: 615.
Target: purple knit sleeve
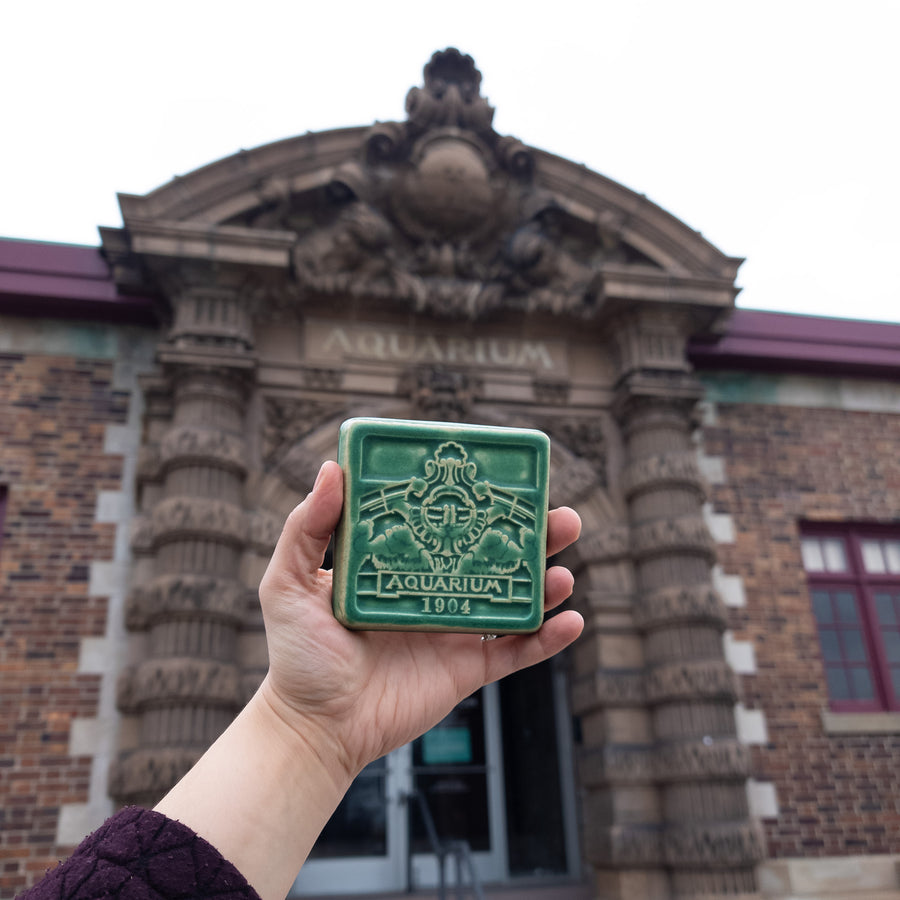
x: 138, y: 854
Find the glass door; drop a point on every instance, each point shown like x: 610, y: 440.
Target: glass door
x: 457, y: 768
x: 363, y: 847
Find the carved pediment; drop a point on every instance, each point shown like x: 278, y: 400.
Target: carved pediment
x: 438, y: 213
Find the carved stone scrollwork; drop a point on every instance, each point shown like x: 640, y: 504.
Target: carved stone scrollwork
x: 708, y: 679
x: 693, y: 760
x: 184, y: 596
x: 675, y: 469
x: 608, y: 687
x: 150, y: 771
x: 149, y: 463
x: 551, y: 391
x: 585, y: 437
x: 141, y: 535
x: 440, y: 393
x: 191, y: 443
x: 611, y: 764
x: 687, y: 534
x: 451, y: 95
x: 288, y: 419
x: 263, y: 530
x: 299, y: 467
x: 177, y: 517
x: 322, y: 378
x: 625, y: 846
x: 722, y: 844
x: 679, y: 605
x: 603, y: 545
x: 573, y: 482
x: 440, y: 213
x: 178, y: 679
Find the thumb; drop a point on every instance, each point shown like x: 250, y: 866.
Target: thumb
x: 304, y: 538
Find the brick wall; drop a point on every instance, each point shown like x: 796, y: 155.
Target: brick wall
x: 837, y: 794
x: 53, y: 416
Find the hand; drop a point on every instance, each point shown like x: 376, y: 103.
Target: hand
x: 356, y: 695
x: 334, y: 700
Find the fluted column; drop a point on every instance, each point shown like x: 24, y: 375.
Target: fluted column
x: 709, y: 844
x: 188, y: 602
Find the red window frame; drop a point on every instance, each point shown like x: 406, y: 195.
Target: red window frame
x: 881, y: 640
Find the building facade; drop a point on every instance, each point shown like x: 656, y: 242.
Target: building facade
x: 728, y: 715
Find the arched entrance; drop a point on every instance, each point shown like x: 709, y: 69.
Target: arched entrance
x: 435, y: 269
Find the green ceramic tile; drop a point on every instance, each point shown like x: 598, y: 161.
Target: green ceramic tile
x: 444, y: 527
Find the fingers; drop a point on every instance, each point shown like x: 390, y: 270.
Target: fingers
x: 563, y: 528
x: 558, y: 585
x: 304, y: 538
x: 508, y: 655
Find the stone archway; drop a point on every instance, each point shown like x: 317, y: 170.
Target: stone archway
x: 433, y: 268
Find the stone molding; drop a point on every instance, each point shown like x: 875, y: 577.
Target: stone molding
x: 180, y: 517
x: 605, y: 545
x: 697, y: 760
x: 605, y: 688
x: 149, y: 463
x: 707, y: 679
x: 686, y: 534
x: 555, y: 391
x: 322, y: 378
x: 689, y: 761
x: 680, y: 605
x: 150, y: 771
x: 184, y: 444
x: 141, y: 535
x: 723, y: 844
x: 626, y: 846
x: 616, y: 764
x: 176, y: 680
x: 667, y: 470
x: 212, y: 315
x: 183, y: 596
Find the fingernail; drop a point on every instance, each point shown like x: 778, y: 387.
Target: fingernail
x: 319, y: 476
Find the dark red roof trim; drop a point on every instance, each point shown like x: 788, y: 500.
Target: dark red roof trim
x: 66, y: 280
x: 783, y: 342
x: 74, y: 281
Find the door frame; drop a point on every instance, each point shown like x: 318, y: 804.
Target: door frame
x: 392, y: 872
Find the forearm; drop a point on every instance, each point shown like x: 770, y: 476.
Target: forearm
x: 261, y: 795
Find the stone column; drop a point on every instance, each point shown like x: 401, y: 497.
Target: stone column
x: 709, y: 844
x: 188, y: 602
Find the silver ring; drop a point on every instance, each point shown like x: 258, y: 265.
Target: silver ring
x: 489, y: 637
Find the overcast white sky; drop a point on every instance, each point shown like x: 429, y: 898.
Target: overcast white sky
x: 771, y: 126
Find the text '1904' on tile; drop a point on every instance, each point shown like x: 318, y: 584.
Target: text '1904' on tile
x: 444, y: 527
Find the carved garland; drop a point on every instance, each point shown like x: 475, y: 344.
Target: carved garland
x: 178, y: 680
x: 185, y: 596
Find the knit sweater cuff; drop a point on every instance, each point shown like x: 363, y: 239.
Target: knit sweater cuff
x: 138, y: 854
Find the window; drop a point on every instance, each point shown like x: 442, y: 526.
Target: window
x: 854, y: 585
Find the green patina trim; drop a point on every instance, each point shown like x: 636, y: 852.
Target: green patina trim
x: 58, y: 337
x: 740, y: 387
x: 813, y: 391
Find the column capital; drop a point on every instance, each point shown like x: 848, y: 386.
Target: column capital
x: 646, y: 392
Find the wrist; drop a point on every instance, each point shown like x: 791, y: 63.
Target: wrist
x: 260, y: 795
x: 302, y: 737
